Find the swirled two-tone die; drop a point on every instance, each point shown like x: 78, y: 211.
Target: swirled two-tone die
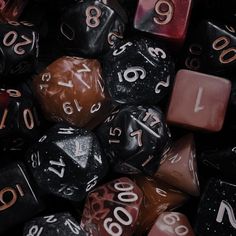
x: 138, y: 71
x: 67, y: 162
x: 71, y: 89
x: 61, y: 224
x: 91, y: 27
x: 18, y: 48
x: 135, y: 138
x: 113, y: 209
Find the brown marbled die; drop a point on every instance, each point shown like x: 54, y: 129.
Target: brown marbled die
x: 71, y: 89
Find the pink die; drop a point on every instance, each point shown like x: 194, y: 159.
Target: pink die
x: 165, y: 18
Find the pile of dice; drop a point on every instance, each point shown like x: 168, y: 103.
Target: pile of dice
x: 118, y: 117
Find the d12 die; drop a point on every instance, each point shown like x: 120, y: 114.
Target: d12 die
x: 171, y: 224
x: 84, y: 101
x: 18, y: 48
x: 179, y: 168
x: 138, y: 71
x: 11, y: 10
x: 89, y: 28
x: 19, y: 119
x: 113, y: 209
x: 67, y: 162
x: 158, y: 197
x: 165, y: 18
x: 61, y: 224
x: 135, y: 138
x: 216, y: 213
x: 18, y: 199
x: 195, y: 101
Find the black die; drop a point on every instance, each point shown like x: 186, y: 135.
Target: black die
x: 67, y: 162
x: 19, y: 119
x: 18, y: 48
x: 91, y: 27
x: 61, y: 224
x: 18, y: 200
x: 216, y: 212
x: 135, y: 138
x: 138, y: 71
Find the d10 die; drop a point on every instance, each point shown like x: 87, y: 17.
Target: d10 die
x: 19, y: 119
x: 179, y: 168
x: 71, y: 89
x: 199, y: 101
x: 18, y: 48
x: 165, y: 18
x: 113, y: 209
x: 158, y: 197
x: 171, y: 224
x: 61, y: 224
x: 138, y: 71
x: 216, y: 213
x: 89, y: 28
x: 135, y: 138
x: 67, y: 162
x: 18, y: 199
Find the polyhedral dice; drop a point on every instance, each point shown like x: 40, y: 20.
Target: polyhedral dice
x: 165, y: 18
x: 89, y: 28
x: 19, y: 119
x: 71, y: 89
x: 11, y: 10
x: 171, y: 224
x: 135, y: 138
x: 158, y: 197
x: 138, y: 71
x: 113, y: 209
x: 195, y: 102
x: 178, y: 167
x: 67, y: 162
x: 61, y: 224
x: 18, y: 48
x: 216, y: 213
x: 18, y: 199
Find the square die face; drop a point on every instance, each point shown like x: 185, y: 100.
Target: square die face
x: 217, y: 210
x: 199, y: 101
x: 166, y: 18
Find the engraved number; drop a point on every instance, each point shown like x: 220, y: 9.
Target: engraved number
x: 58, y: 164
x: 131, y: 74
x: 164, y: 10
x: 122, y: 49
x: 115, y: 132
x: 35, y: 231
x: 92, y: 16
x: 73, y: 227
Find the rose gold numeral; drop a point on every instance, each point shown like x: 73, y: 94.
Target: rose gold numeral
x: 138, y: 133
x: 148, y: 115
x: 230, y: 28
x: 14, y: 93
x: 227, y: 55
x: 2, y: 124
x: 11, y: 37
x: 198, y: 106
x: 112, y: 36
x: 92, y: 16
x: 28, y: 118
x: 194, y: 63
x: 165, y: 11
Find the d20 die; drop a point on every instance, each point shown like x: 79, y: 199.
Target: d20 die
x: 113, y: 208
x: 18, y: 199
x: 171, y: 224
x: 216, y: 212
x: 61, y: 224
x: 67, y: 162
x: 199, y: 101
x: 71, y: 89
x: 135, y: 138
x: 179, y: 168
x: 165, y: 18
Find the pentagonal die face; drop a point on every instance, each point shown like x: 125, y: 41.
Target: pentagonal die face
x: 113, y: 208
x: 67, y: 162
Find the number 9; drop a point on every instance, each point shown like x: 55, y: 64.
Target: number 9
x: 164, y: 10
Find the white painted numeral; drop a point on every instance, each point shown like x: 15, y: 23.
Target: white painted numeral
x: 132, y: 74
x: 224, y: 205
x: 68, y: 84
x: 73, y: 227
x: 58, y: 164
x: 161, y: 192
x: 92, y: 183
x: 50, y: 219
x: 35, y: 159
x: 69, y: 130
x: 35, y: 231
x: 163, y: 84
x: 122, y: 49
x: 198, y: 106
x: 176, y: 158
x: 157, y: 52
x: 138, y: 134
